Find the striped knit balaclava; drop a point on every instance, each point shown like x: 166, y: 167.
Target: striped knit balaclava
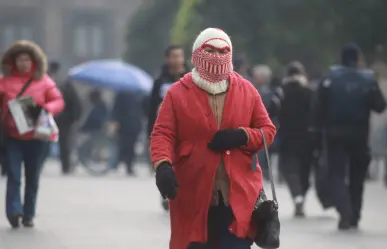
x: 212, y: 68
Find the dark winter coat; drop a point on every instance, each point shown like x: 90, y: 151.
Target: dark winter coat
x: 295, y: 113
x: 165, y: 79
x: 73, y: 107
x: 344, y: 101
x: 127, y: 112
x: 271, y: 96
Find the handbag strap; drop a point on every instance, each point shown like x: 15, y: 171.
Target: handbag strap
x: 26, y: 85
x: 22, y: 91
x: 270, y: 171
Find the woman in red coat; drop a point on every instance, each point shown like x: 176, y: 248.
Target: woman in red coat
x: 24, y: 61
x: 202, y: 146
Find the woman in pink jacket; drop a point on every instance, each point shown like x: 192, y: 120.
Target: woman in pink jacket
x: 24, y: 61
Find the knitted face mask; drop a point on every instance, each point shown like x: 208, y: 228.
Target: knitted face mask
x: 212, y: 67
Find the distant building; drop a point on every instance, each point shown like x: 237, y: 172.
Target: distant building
x: 70, y: 31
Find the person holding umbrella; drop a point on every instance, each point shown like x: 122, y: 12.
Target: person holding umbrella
x: 202, y: 145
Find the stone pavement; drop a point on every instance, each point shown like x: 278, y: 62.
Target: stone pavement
x: 117, y: 212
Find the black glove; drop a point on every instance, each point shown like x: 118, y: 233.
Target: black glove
x: 227, y: 139
x: 166, y: 181
x: 34, y: 112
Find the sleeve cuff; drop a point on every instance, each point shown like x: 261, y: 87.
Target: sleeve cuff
x: 247, y: 134
x: 158, y: 163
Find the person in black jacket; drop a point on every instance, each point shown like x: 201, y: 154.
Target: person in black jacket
x: 345, y: 99
x: 66, y: 120
x: 173, y: 69
x: 294, y: 146
x: 126, y: 116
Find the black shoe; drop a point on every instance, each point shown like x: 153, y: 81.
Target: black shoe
x: 165, y: 204
x: 3, y: 172
x: 66, y: 172
x: 299, y: 210
x: 344, y: 224
x: 14, y: 221
x: 354, y: 224
x: 28, y: 222
x: 130, y: 172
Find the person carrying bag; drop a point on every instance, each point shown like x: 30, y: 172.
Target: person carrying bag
x: 27, y: 91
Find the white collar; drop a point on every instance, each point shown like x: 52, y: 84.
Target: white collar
x: 210, y: 87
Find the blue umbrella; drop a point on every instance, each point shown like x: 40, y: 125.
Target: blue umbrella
x: 114, y: 74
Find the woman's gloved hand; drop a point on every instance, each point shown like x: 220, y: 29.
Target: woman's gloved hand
x: 228, y: 139
x: 166, y: 181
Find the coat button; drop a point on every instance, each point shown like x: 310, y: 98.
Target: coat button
x: 228, y: 152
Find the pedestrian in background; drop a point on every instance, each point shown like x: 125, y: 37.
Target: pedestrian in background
x: 126, y: 118
x: 93, y: 124
x: 25, y: 63
x: 242, y: 67
x: 68, y: 119
x: 202, y: 145
x: 262, y: 79
x: 172, y: 70
x: 346, y: 98
x: 294, y: 117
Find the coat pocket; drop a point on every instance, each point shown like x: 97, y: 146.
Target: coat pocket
x: 183, y: 153
x: 248, y: 158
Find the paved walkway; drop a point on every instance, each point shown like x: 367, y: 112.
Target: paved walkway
x: 116, y: 212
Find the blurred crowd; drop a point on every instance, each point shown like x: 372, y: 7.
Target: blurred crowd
x: 122, y: 120
x: 323, y: 126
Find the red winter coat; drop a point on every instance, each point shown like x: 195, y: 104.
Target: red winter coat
x: 42, y: 89
x: 184, y: 127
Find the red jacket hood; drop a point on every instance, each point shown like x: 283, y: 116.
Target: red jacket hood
x: 29, y: 47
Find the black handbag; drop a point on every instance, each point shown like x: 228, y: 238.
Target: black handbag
x: 265, y: 213
x: 3, y: 132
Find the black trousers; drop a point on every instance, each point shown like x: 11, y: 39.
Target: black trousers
x: 219, y: 237
x: 126, y: 144
x: 295, y: 165
x: 66, y: 146
x: 3, y: 169
x: 348, y: 162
